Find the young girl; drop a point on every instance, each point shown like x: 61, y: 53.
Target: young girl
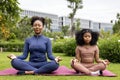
x: 86, y: 52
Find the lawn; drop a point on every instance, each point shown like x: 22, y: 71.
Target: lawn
x: 5, y: 63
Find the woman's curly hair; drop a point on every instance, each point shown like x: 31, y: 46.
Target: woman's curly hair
x: 80, y: 40
x: 34, y: 18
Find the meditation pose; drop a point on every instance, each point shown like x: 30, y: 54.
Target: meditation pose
x: 86, y: 53
x: 39, y: 49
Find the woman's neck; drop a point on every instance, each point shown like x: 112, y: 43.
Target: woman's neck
x: 38, y: 34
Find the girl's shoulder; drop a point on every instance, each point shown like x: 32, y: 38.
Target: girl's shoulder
x: 79, y: 47
x: 92, y: 46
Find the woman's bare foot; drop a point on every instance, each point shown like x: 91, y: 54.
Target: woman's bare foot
x: 25, y: 72
x: 11, y: 56
x: 58, y: 59
x: 29, y: 72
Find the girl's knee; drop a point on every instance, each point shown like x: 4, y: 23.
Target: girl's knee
x: 102, y: 66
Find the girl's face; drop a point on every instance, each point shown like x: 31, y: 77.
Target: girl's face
x: 87, y: 37
x: 37, y: 26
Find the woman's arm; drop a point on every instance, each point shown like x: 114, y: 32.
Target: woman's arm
x: 49, y: 50
x: 25, y: 51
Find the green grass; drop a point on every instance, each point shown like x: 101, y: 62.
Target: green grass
x: 5, y: 63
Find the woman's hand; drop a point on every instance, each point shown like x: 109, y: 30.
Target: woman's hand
x: 58, y: 59
x: 11, y: 56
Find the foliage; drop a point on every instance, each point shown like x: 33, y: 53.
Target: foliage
x: 74, y: 6
x: 24, y: 28
x: 48, y: 23
x: 58, y: 47
x: 104, y: 34
x: 55, y: 35
x: 110, y: 48
x: 69, y: 47
x: 116, y: 26
x: 12, y: 45
x: 9, y: 16
x: 66, y: 46
x: 65, y: 29
x: 9, y: 12
x: 5, y: 32
x: 77, y: 24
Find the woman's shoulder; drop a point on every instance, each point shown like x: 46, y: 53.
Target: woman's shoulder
x: 44, y: 37
x: 28, y: 38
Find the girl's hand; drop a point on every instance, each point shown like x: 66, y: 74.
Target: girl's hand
x: 74, y: 60
x: 106, y: 62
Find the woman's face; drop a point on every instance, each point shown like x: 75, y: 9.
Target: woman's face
x: 87, y: 37
x: 37, y: 26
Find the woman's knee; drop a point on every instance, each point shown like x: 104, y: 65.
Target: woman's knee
x: 15, y: 63
x: 54, y: 65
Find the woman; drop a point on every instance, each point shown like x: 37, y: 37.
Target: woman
x: 39, y: 47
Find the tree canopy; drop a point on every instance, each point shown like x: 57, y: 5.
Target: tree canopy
x: 74, y: 6
x: 9, y: 16
x: 116, y: 26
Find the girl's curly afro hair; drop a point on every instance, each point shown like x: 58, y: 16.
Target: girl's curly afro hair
x: 80, y: 40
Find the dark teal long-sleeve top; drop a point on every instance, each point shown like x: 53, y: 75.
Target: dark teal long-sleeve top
x: 39, y: 48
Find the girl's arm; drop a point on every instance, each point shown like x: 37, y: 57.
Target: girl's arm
x: 77, y: 54
x: 97, y: 58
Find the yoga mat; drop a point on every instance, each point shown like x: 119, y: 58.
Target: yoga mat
x: 61, y: 71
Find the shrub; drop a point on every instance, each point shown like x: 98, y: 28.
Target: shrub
x: 66, y: 46
x: 69, y: 47
x: 110, y: 49
x: 12, y: 46
x: 58, y: 47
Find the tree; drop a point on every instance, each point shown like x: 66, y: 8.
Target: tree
x: 23, y: 29
x: 77, y: 24
x: 48, y: 23
x: 65, y: 29
x: 74, y: 5
x: 9, y: 14
x: 116, y: 26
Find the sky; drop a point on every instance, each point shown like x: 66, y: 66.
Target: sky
x: 95, y: 10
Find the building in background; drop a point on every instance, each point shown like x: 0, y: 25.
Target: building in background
x: 84, y: 23
x: 58, y: 22
x: 53, y: 17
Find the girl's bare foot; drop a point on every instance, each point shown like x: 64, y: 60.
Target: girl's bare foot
x: 107, y: 62
x: 11, y: 56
